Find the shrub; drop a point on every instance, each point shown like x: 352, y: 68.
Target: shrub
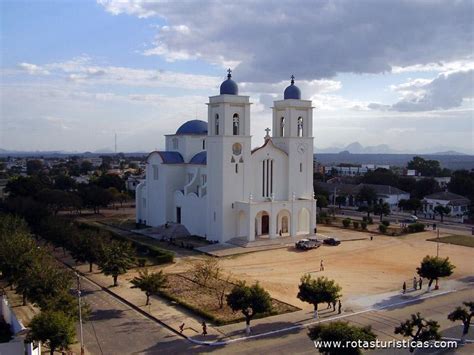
x: 141, y: 262
x: 416, y: 227
x: 383, y: 228
x: 370, y: 220
x: 363, y: 225
x: 346, y: 222
x: 386, y: 223
x: 323, y: 214
x: 355, y: 224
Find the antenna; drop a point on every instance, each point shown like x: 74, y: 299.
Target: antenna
x: 115, y: 142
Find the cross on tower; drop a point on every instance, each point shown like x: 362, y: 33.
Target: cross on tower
x: 292, y: 79
x: 268, y: 131
x: 229, y: 75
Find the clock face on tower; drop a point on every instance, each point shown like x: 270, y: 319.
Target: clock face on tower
x: 301, y: 148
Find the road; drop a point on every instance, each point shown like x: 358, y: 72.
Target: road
x: 382, y: 322
x: 115, y: 328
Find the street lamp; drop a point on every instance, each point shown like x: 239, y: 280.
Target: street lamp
x: 437, y: 255
x: 78, y: 277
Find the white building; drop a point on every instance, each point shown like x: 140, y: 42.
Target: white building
x: 459, y: 205
x: 211, y: 181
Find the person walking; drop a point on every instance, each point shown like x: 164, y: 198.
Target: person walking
x: 321, y: 266
x: 415, y: 283
x: 181, y: 328
x: 404, y: 287
x: 334, y: 305
x: 340, y: 307
x: 420, y: 283
x: 204, y: 328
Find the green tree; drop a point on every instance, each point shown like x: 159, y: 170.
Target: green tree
x: 55, y: 200
x: 250, y: 300
x: 344, y: 333
x: 382, y: 209
x: 442, y: 211
x: 55, y: 329
x: 465, y: 316
x: 434, y: 267
x: 150, y: 283
x: 111, y: 180
x: 419, y: 329
x: 64, y: 183
x: 116, y: 258
x: 425, y: 167
x: 380, y: 176
x: 369, y: 209
x: 87, y: 246
x: 34, y: 166
x: 414, y: 205
x: 341, y: 200
x: 322, y: 201
x: 425, y: 187
x: 86, y: 166
x: 25, y: 186
x: 320, y: 290
x: 367, y: 194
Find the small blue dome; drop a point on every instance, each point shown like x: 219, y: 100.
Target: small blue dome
x: 193, y: 127
x: 292, y: 91
x: 199, y: 158
x: 229, y: 86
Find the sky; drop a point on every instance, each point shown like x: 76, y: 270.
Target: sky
x: 75, y: 73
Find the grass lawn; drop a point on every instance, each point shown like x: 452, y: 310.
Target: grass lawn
x: 183, y: 290
x: 463, y: 240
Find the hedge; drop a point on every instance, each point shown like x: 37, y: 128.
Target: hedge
x: 346, y: 222
x: 383, y: 228
x: 416, y: 227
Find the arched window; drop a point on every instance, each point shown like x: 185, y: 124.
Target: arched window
x: 236, y: 168
x: 300, y: 126
x: 236, y: 125
x: 203, y: 144
x: 282, y: 127
x: 217, y: 125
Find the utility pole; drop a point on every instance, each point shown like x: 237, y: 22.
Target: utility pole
x: 80, y: 311
x: 115, y: 142
x: 437, y: 255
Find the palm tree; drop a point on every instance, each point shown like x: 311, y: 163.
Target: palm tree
x: 150, y: 283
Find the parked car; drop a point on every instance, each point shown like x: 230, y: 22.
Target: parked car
x: 306, y: 244
x: 332, y: 241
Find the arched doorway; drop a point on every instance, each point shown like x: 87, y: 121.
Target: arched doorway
x: 262, y: 223
x: 283, y: 223
x: 303, y: 221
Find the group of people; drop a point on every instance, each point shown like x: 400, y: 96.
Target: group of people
x: 333, y: 304
x: 203, y: 325
x: 417, y: 284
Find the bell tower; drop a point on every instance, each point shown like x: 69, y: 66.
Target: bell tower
x: 228, y: 159
x: 293, y: 132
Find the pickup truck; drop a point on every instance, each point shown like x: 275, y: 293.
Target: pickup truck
x: 306, y: 244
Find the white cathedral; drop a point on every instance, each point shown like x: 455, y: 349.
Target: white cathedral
x: 211, y: 181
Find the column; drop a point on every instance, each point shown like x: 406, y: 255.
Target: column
x: 251, y: 224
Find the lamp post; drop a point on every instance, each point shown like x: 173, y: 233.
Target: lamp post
x: 437, y: 255
x: 80, y: 311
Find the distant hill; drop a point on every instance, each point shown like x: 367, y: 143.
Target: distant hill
x: 357, y: 148
x: 453, y: 162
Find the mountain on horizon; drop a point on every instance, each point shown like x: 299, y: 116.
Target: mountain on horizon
x: 357, y: 148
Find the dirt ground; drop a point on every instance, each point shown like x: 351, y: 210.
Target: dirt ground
x: 361, y: 267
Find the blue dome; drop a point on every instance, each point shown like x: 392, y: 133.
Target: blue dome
x: 229, y: 86
x: 292, y: 91
x: 193, y: 127
x: 199, y: 158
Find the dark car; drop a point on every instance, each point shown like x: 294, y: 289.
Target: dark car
x: 332, y: 241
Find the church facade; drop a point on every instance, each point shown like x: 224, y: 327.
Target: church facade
x: 210, y: 180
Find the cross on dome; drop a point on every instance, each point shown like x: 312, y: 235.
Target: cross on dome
x: 292, y: 79
x: 229, y: 71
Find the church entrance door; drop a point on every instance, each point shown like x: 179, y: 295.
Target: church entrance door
x: 265, y: 224
x: 178, y: 215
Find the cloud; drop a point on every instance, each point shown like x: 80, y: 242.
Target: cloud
x: 444, y: 92
x: 32, y: 69
x: 313, y: 40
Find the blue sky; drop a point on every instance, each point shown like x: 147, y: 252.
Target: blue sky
x: 395, y: 72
